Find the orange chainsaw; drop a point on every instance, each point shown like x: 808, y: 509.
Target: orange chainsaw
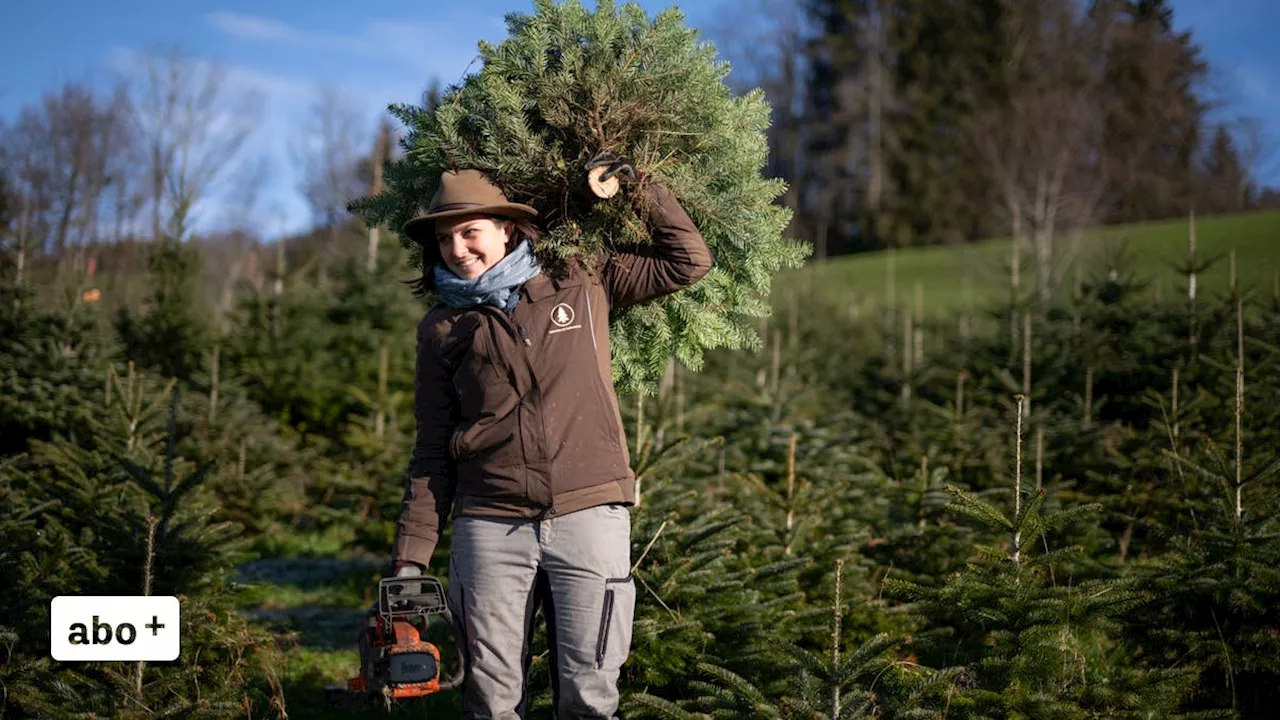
x: 396, y: 661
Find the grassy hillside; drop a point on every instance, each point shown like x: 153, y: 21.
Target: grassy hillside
x: 952, y: 277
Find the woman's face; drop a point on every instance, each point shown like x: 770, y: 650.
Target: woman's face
x: 471, y: 244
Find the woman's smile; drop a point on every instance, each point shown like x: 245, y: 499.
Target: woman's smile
x: 472, y: 244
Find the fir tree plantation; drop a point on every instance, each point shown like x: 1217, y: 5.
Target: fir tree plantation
x: 1056, y: 499
x: 1064, y: 511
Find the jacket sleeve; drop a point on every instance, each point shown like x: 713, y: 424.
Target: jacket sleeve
x: 677, y: 258
x: 431, y: 478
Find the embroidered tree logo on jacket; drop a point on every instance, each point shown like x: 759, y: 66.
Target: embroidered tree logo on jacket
x: 562, y: 315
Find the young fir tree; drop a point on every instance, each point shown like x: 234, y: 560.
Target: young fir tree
x: 333, y: 368
x: 49, y: 357
x: 873, y: 680
x: 1093, y: 365
x: 834, y: 683
x: 701, y: 601
x: 1034, y: 643
x: 1213, y: 599
x: 712, y: 590
x: 568, y: 83
x: 313, y: 358
x: 264, y: 470
x: 168, y: 334
x: 121, y: 512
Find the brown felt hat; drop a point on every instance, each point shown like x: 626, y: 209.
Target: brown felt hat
x: 464, y: 192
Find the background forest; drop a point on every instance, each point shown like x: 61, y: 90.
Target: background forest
x: 1029, y: 472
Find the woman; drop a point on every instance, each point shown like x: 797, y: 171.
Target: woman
x: 519, y: 438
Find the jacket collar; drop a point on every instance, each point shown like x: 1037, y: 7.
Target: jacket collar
x: 542, y: 286
x: 538, y: 288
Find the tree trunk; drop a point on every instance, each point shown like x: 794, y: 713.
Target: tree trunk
x: 380, y: 151
x: 22, y: 246
x: 68, y: 208
x: 157, y: 189
x: 875, y: 112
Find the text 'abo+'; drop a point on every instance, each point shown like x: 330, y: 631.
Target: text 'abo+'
x: 114, y: 627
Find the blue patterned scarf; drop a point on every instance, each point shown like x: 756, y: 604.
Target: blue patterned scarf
x: 498, y: 286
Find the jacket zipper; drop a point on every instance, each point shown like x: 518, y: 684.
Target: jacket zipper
x: 522, y: 341
x: 517, y: 334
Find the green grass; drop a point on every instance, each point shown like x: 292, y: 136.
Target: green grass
x: 313, y: 607
x: 320, y: 581
x: 955, y: 277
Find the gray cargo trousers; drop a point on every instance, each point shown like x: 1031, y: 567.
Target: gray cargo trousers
x: 579, y: 567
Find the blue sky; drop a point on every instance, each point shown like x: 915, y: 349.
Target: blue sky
x: 378, y: 52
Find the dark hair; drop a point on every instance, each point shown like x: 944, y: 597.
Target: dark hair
x: 426, y: 284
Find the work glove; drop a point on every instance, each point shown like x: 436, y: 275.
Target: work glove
x: 618, y: 172
x: 406, y: 570
x: 616, y: 165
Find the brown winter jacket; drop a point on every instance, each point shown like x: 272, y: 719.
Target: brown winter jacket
x: 517, y: 416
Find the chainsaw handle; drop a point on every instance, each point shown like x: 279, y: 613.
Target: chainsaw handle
x: 460, y: 674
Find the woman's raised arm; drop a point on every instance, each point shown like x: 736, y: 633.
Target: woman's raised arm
x: 677, y: 258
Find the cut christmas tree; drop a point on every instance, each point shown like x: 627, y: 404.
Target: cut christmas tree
x: 569, y: 83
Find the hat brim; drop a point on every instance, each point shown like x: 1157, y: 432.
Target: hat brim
x: 424, y: 226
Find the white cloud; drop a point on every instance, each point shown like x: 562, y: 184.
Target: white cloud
x: 237, y: 79
x: 417, y: 45
x: 253, y: 27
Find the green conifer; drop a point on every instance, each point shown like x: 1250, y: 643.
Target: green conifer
x: 1030, y: 643
x: 121, y: 512
x: 169, y: 334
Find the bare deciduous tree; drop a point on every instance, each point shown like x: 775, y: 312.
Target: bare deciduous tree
x: 63, y: 133
x: 6, y: 190
x: 329, y: 151
x: 871, y: 100
x: 108, y: 168
x: 120, y: 212
x: 67, y: 159
x: 1259, y: 150
x: 1043, y: 146
x: 845, y: 124
x: 244, y: 198
x: 192, y: 125
x: 227, y: 257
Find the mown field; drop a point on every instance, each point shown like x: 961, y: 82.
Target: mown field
x: 848, y: 523
x: 952, y: 278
